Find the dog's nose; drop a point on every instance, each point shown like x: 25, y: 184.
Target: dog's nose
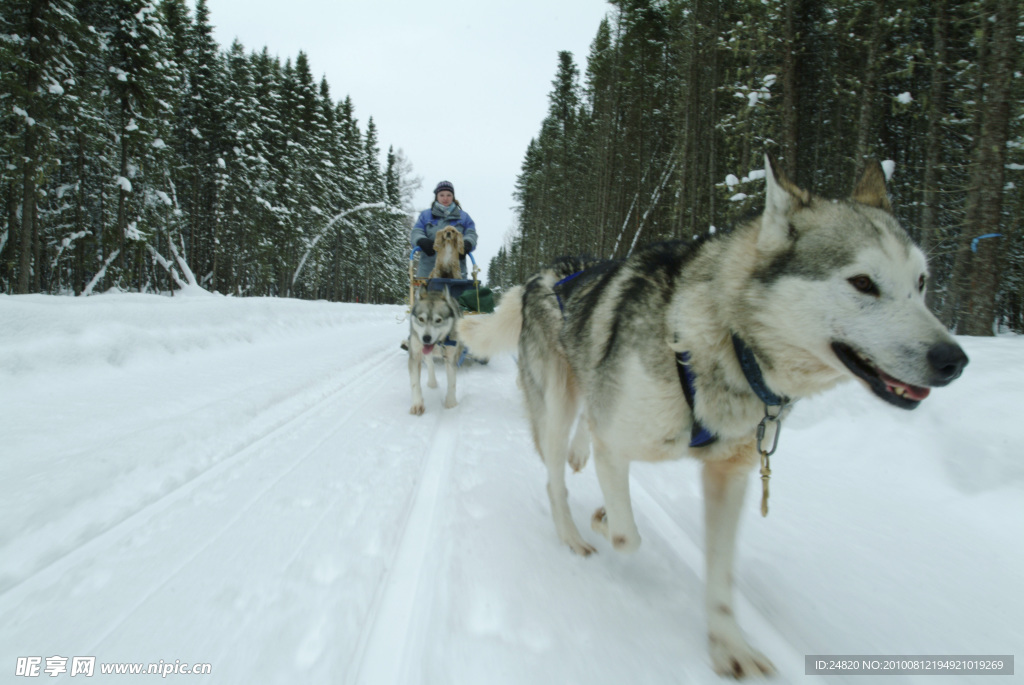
x: 427, y: 339
x: 948, y: 362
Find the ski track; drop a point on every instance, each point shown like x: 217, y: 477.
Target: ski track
x: 219, y: 466
x: 291, y: 424
x: 391, y: 647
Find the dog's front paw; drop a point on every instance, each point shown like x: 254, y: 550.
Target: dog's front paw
x: 733, y: 657
x: 450, y: 403
x: 620, y: 541
x: 417, y: 409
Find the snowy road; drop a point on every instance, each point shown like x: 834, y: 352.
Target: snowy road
x: 203, y: 480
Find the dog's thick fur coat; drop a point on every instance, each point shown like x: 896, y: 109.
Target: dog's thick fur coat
x: 820, y: 291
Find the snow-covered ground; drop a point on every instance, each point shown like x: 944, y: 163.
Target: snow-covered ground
x: 238, y: 482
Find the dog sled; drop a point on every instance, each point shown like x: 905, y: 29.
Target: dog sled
x: 467, y: 291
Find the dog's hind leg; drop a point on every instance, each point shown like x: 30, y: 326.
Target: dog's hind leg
x: 725, y: 483
x: 552, y: 410
x: 579, y: 450
x: 615, y: 519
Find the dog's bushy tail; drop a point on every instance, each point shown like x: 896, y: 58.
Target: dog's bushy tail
x: 488, y: 334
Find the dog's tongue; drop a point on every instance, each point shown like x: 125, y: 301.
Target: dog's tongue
x: 427, y: 349
x: 911, y: 392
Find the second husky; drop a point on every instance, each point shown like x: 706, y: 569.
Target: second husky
x: 694, y: 348
x: 432, y: 334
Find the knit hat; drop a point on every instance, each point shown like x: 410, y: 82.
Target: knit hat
x: 444, y: 185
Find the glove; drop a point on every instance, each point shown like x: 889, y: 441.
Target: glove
x: 426, y: 245
x: 469, y: 246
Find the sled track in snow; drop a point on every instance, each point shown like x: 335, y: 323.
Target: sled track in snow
x: 270, y: 486
x: 392, y: 643
x: 313, y: 402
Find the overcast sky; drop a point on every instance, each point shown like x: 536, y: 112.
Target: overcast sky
x: 460, y: 86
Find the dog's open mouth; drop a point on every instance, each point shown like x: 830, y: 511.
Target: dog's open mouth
x: 427, y: 349
x: 893, y: 391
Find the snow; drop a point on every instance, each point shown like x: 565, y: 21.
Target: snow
x: 888, y: 167
x: 22, y: 113
x: 238, y: 482
x: 124, y: 183
x: 905, y: 98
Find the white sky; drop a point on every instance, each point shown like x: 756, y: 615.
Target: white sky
x: 460, y: 86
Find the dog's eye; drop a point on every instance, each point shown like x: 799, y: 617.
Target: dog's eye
x: 921, y: 283
x: 865, y: 285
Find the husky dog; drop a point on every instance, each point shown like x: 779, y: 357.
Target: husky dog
x: 449, y: 246
x: 699, y: 348
x: 431, y: 333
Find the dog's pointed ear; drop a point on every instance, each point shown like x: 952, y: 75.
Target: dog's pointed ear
x: 870, y: 189
x: 782, y: 199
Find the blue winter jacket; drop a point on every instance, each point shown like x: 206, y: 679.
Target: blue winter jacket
x: 429, y: 224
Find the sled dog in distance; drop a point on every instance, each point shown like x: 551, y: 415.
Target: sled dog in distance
x: 432, y: 323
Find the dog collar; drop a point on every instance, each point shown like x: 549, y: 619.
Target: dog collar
x: 700, y: 436
x: 752, y: 372
x: 755, y: 379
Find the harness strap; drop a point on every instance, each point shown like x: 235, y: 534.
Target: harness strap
x: 558, y: 297
x: 700, y: 436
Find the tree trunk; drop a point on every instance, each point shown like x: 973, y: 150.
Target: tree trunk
x: 790, y: 89
x: 976, y: 274
x: 869, y: 94
x: 28, y: 213
x: 122, y: 194
x: 933, y: 154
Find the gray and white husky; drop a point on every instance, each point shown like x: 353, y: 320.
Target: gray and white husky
x: 432, y: 334
x: 696, y: 348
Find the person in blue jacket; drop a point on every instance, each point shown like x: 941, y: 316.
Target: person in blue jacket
x: 446, y: 211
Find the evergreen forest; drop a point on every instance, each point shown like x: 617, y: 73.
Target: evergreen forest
x: 662, y: 133
x: 137, y: 154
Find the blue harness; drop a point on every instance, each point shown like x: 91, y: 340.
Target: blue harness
x: 558, y: 297
x: 700, y: 436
